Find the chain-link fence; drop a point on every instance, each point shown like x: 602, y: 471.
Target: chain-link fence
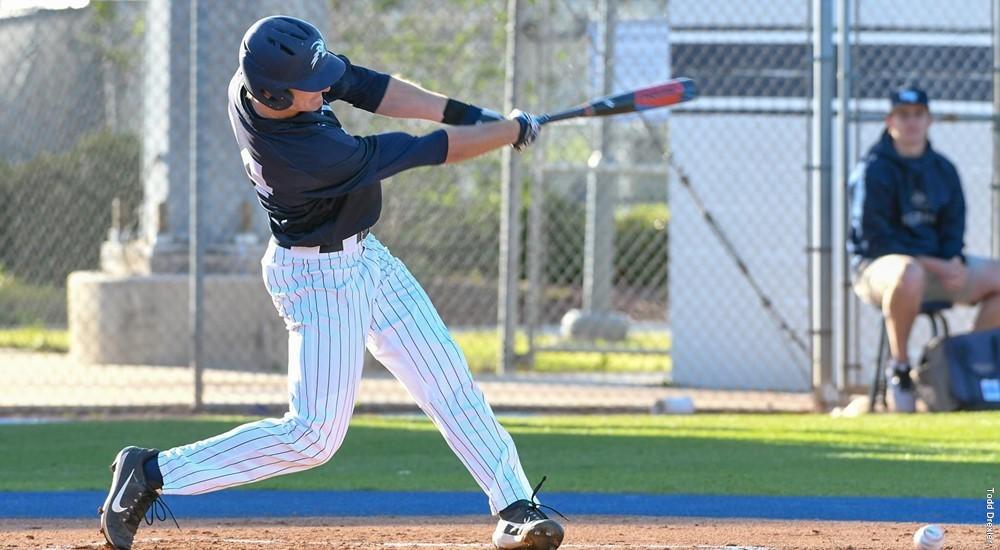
x: 596, y: 255
x: 658, y: 255
x: 738, y: 278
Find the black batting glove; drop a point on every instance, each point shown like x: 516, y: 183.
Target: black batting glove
x: 529, y: 129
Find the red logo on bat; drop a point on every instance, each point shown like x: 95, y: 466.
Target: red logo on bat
x: 658, y: 96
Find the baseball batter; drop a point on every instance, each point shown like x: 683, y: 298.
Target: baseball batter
x: 337, y: 287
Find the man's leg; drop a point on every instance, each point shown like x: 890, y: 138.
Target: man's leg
x: 323, y: 386
x: 327, y: 319
x: 989, y: 313
x: 410, y: 339
x: 984, y: 289
x: 899, y: 282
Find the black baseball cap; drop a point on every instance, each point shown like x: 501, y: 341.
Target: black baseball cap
x: 910, y: 95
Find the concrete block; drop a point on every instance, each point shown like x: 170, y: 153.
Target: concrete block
x: 143, y: 320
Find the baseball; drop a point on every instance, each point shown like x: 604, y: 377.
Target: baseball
x: 929, y: 537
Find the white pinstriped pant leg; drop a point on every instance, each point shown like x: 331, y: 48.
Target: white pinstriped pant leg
x: 410, y: 339
x: 326, y: 309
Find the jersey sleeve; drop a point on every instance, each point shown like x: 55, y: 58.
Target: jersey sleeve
x: 399, y: 151
x: 361, y: 87
x: 872, y: 206
x: 358, y: 162
x: 951, y: 220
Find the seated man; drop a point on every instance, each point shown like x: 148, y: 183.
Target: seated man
x: 907, y: 228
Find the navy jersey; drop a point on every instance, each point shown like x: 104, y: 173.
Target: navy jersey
x: 319, y: 184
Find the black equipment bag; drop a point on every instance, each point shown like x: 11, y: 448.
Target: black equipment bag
x: 961, y: 372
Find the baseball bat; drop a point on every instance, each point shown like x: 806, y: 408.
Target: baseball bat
x: 671, y: 92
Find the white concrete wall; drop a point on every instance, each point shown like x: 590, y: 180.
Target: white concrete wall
x: 750, y: 173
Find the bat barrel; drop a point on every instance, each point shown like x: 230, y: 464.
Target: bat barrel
x: 680, y: 90
x: 676, y: 91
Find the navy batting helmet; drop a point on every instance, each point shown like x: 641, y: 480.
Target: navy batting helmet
x: 279, y: 53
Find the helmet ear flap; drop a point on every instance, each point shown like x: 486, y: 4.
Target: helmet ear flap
x: 280, y: 101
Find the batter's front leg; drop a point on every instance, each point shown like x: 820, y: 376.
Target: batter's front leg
x: 325, y: 307
x: 323, y: 392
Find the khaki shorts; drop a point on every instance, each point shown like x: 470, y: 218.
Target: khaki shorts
x: 875, y: 277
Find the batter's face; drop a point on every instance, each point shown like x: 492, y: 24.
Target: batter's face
x: 307, y: 101
x: 908, y: 124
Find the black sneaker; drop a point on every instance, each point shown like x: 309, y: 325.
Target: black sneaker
x: 523, y: 526
x: 129, y: 498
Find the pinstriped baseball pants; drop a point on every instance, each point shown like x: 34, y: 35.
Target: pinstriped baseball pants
x: 333, y: 306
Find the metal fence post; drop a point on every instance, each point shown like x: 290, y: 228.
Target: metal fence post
x: 195, y: 252
x: 599, y: 247
x: 821, y: 183
x: 842, y: 294
x: 536, y: 210
x: 510, y: 200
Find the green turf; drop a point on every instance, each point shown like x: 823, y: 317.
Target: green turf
x: 944, y: 455
x: 480, y: 348
x: 36, y: 338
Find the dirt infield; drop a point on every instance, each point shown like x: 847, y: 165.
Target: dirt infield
x: 465, y: 533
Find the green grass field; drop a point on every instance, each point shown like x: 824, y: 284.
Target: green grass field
x: 944, y: 455
x: 480, y: 347
x: 35, y: 338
